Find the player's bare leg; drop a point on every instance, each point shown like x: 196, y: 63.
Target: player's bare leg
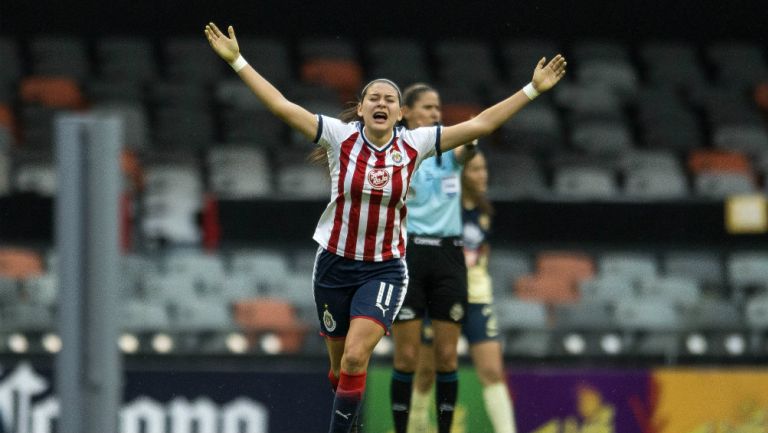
x: 407, y: 338
x: 488, y: 361
x: 446, y: 366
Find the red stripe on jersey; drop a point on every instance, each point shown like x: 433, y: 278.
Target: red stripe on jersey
x: 338, y: 218
x: 356, y: 194
x: 412, y: 154
x: 374, y: 205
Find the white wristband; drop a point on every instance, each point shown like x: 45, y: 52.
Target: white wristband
x: 530, y: 91
x: 239, y: 63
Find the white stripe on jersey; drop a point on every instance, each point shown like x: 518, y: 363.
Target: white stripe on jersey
x: 364, y: 219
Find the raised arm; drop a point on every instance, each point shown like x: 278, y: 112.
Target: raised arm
x: 544, y: 78
x: 294, y: 115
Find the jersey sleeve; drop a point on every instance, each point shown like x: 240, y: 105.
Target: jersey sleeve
x: 331, y: 131
x: 426, y: 140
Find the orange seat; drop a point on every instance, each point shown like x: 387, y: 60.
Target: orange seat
x: 261, y: 315
x: 703, y: 160
x: 457, y: 113
x: 345, y: 76
x: 55, y: 92
x: 20, y: 264
x: 761, y: 96
x: 8, y: 120
x: 575, y: 266
x: 548, y: 288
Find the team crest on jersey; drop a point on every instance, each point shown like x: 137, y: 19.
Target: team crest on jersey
x: 397, y: 157
x: 378, y: 178
x: 328, y: 321
x: 457, y: 312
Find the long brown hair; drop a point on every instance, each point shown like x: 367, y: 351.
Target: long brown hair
x: 349, y: 114
x: 480, y: 199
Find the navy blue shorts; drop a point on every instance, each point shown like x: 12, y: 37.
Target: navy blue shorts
x: 480, y: 324
x: 346, y: 289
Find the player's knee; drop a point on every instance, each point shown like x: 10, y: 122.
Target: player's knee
x: 446, y: 358
x: 489, y: 375
x: 355, y: 360
x: 406, y: 357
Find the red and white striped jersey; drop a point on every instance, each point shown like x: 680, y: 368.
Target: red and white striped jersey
x: 366, y: 217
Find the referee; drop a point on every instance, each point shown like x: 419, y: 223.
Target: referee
x: 437, y: 287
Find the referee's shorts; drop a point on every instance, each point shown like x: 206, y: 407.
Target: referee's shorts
x: 437, y: 279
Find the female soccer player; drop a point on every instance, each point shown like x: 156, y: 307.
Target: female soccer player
x: 360, y: 277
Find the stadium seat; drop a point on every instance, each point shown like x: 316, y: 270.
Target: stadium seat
x: 239, y: 172
x: 410, y: 68
x: 37, y: 127
x: 593, y: 99
x: 10, y: 58
x: 35, y: 176
x: 607, y: 288
x: 706, y: 267
x: 126, y: 58
x: 574, y: 265
x: 536, y: 130
x: 136, y: 128
x: 50, y: 91
x: 714, y: 315
x: 748, y: 272
x: 138, y: 315
x: 110, y: 90
x: 757, y: 313
x: 206, y: 269
x: 721, y: 185
x: 302, y: 181
x: 266, y: 267
x: 619, y: 76
x: 257, y: 126
x: 264, y: 315
x: 5, y: 170
x: 8, y: 126
x: 589, y: 315
x: 190, y: 59
x: 637, y: 267
x: 681, y: 291
x: 270, y: 56
x: 187, y: 129
x: 188, y: 95
x: 655, y: 183
x: 27, y: 317
x: 514, y: 175
x: 200, y: 315
x: 505, y: 267
x: 41, y: 289
x: 602, y: 138
x: 520, y: 56
x: 233, y: 93
x: 59, y: 56
x: 585, y: 183
x: 736, y: 63
x: 524, y: 325
x: 672, y: 63
x: 725, y: 105
x: 704, y: 160
x: 548, y: 288
x: 600, y: 49
x: 466, y: 61
x: 343, y: 75
x: 750, y: 139
x: 648, y: 315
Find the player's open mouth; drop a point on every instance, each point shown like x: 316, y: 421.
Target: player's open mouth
x: 380, y: 116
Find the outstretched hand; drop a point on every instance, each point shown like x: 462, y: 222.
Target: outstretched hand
x: 545, y: 77
x: 225, y: 47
